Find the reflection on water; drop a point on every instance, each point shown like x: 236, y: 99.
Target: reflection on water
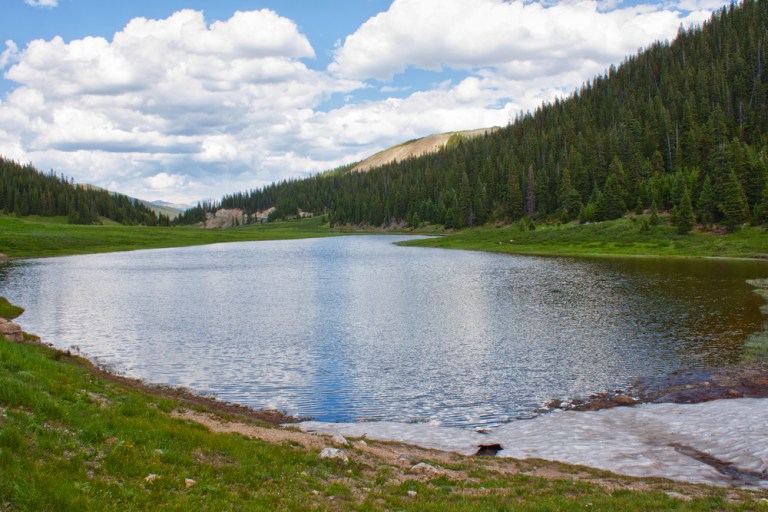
x: 350, y: 328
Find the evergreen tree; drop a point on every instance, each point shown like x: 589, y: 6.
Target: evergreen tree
x: 530, y: 193
x: 707, y: 202
x: 515, y: 199
x: 467, y: 216
x: 654, y: 215
x: 684, y: 217
x: 615, y: 206
x: 734, y: 205
x: 761, y: 210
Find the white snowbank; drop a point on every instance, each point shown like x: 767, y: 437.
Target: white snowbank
x: 651, y: 440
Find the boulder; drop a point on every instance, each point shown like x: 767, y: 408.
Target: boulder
x: 333, y: 453
x: 423, y: 467
x: 340, y: 440
x: 11, y: 332
x: 623, y: 400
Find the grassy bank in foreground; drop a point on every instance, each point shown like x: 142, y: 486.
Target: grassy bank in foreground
x: 73, y: 439
x: 619, y: 237
x: 31, y: 237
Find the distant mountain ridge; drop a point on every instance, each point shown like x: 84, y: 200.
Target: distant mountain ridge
x: 175, y: 206
x: 163, y: 207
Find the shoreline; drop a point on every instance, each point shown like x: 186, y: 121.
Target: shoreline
x: 679, y: 458
x: 713, y: 464
x: 719, y: 464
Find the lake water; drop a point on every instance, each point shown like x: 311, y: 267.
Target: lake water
x: 351, y: 328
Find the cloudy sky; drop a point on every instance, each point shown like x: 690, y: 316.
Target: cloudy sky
x: 183, y: 100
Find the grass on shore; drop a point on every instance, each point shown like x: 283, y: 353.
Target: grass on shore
x: 41, y: 237
x: 8, y: 310
x: 72, y: 440
x: 620, y: 237
x: 32, y: 237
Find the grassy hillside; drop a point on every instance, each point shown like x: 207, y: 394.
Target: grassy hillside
x: 73, y: 439
x: 626, y: 237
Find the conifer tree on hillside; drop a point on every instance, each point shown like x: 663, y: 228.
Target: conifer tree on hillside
x: 684, y: 216
x: 614, y: 198
x: 515, y: 199
x: 761, y: 211
x: 734, y: 206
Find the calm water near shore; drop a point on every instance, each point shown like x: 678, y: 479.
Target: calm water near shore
x: 350, y: 328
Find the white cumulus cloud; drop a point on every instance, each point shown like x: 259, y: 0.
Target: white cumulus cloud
x: 9, y: 55
x: 525, y: 39
x: 176, y: 93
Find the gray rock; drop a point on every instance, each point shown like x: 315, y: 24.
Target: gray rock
x: 333, y: 453
x: 340, y: 440
x: 423, y: 467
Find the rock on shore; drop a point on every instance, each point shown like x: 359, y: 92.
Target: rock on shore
x: 11, y: 331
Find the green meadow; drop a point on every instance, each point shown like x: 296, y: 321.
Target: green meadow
x: 32, y: 237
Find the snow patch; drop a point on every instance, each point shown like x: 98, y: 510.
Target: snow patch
x: 722, y: 442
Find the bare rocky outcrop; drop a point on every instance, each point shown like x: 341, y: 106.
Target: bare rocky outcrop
x: 224, y: 218
x: 231, y: 217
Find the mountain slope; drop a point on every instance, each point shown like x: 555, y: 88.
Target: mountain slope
x: 418, y: 147
x: 26, y: 191
x: 680, y: 126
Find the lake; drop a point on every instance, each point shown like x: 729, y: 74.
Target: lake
x: 356, y: 328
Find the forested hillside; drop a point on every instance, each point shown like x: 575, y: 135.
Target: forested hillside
x: 26, y: 191
x: 680, y: 126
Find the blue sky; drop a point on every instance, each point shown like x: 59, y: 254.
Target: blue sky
x: 188, y: 99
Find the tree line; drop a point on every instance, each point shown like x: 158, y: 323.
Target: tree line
x: 680, y: 126
x: 26, y: 191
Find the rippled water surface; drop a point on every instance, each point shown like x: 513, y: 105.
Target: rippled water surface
x: 351, y: 328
